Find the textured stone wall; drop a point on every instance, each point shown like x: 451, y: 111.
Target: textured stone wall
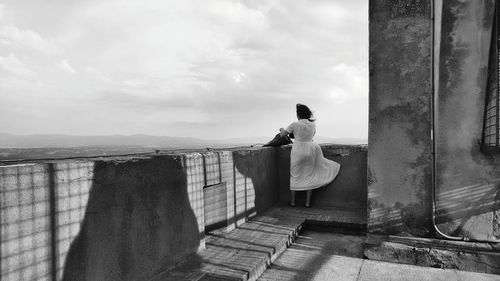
x: 140, y: 213
x: 256, y: 179
x: 123, y: 218
x: 399, y: 142
x: 468, y: 180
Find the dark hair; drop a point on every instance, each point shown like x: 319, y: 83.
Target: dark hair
x: 303, y: 112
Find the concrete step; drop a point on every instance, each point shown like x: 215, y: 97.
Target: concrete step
x: 466, y: 256
x: 245, y: 252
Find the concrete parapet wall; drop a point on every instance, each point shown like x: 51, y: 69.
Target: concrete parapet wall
x: 348, y: 190
x: 124, y: 218
x: 140, y: 213
x: 121, y: 218
x: 42, y: 204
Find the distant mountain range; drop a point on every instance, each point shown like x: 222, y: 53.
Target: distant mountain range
x: 66, y: 141
x: 41, y: 141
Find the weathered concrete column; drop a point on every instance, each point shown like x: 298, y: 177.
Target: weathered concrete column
x: 467, y: 180
x: 399, y: 152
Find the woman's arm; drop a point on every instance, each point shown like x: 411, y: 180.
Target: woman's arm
x: 283, y: 132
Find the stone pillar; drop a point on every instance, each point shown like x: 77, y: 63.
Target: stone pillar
x: 399, y: 152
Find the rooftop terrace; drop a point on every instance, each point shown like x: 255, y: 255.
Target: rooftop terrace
x: 186, y: 215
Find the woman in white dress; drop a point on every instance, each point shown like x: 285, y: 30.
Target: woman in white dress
x: 309, y: 169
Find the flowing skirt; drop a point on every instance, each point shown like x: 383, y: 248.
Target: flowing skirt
x: 309, y: 169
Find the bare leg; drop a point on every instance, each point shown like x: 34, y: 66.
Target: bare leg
x: 292, y: 198
x: 308, y: 198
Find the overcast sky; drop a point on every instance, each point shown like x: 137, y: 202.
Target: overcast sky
x: 208, y: 69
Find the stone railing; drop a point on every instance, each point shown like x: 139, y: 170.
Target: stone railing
x: 120, y: 218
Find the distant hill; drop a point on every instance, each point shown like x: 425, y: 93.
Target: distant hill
x: 317, y: 139
x: 19, y: 147
x: 66, y: 141
x: 148, y: 141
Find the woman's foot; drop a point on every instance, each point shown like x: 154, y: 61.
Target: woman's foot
x: 307, y: 205
x: 291, y: 204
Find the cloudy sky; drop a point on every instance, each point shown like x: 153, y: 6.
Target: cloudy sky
x: 209, y: 69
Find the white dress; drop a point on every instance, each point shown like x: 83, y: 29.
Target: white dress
x: 309, y: 169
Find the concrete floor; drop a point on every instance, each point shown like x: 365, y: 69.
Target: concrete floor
x: 318, y: 256
x: 318, y: 252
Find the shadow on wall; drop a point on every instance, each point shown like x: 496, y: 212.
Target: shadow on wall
x: 456, y: 207
x: 255, y: 178
x: 389, y: 216
x: 138, y: 217
x: 247, y: 179
x: 402, y: 219
x: 399, y: 219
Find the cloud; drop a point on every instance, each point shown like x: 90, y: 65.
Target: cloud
x: 12, y: 65
x: 98, y: 74
x: 64, y: 65
x: 137, y: 82
x: 143, y: 102
x: 198, y: 62
x: 15, y: 38
x: 350, y: 82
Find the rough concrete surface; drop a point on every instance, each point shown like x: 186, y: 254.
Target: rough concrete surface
x: 121, y: 218
x: 128, y: 229
x: 468, y: 179
x: 145, y: 214
x: 403, y: 110
x: 323, y: 256
x: 434, y: 255
x: 399, y: 143
x: 245, y: 252
x: 318, y: 256
x: 348, y: 190
x: 256, y: 171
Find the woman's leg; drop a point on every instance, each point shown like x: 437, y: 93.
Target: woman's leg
x: 292, y: 198
x: 308, y: 198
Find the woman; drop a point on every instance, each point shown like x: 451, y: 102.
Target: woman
x: 308, y: 168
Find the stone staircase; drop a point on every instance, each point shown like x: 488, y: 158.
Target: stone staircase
x: 245, y: 252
